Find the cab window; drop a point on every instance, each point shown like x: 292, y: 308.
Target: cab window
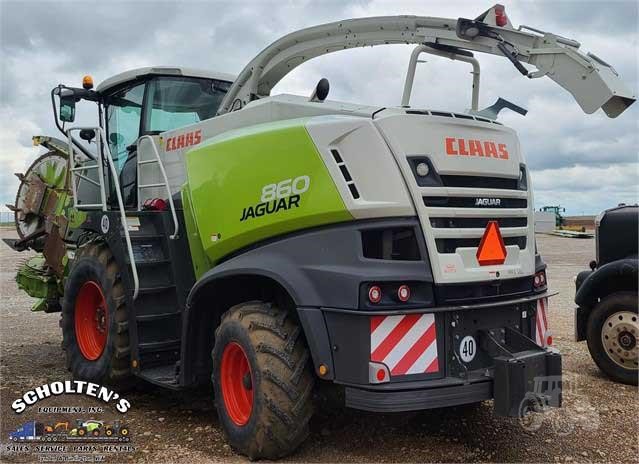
x: 176, y: 102
x: 123, y: 114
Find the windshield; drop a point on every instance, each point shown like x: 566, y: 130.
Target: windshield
x: 175, y: 102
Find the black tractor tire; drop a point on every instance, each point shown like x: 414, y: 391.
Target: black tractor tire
x: 611, y: 304
x: 281, y: 380
x: 95, y: 263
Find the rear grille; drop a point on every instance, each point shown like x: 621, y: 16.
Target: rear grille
x: 507, y: 288
x: 477, y: 223
x: 471, y: 202
x: 450, y: 245
x: 479, y: 182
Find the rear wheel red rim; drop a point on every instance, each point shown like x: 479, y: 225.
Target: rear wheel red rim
x: 237, y: 384
x: 91, y: 320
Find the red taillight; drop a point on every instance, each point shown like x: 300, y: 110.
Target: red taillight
x: 500, y: 16
x: 549, y: 340
x: 374, y: 294
x: 155, y: 204
x: 539, y: 280
x: 381, y: 374
x: 403, y: 293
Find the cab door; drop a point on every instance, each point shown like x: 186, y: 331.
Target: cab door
x: 123, y: 118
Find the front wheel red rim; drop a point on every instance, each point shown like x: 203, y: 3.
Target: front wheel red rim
x: 237, y: 384
x: 91, y: 320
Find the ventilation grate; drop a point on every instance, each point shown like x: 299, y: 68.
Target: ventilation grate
x: 345, y: 173
x: 446, y: 114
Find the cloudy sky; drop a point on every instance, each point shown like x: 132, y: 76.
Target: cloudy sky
x: 584, y: 162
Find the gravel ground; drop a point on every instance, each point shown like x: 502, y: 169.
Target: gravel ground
x: 595, y: 425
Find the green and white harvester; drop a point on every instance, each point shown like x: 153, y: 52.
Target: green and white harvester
x: 204, y: 231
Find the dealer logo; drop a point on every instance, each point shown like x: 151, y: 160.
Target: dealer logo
x: 70, y: 387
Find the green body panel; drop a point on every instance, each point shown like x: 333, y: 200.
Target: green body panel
x: 198, y: 257
x: 228, y: 176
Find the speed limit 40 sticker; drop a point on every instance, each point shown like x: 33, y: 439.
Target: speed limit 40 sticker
x: 468, y: 348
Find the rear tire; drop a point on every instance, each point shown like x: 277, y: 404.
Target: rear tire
x: 617, y: 356
x: 262, y: 380
x: 97, y: 354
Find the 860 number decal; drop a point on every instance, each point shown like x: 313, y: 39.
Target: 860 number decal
x: 278, y: 196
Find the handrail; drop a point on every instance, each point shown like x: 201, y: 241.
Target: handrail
x: 410, y: 74
x: 73, y: 169
x: 158, y: 160
x: 103, y: 150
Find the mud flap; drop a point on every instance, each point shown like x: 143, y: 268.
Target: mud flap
x: 524, y: 372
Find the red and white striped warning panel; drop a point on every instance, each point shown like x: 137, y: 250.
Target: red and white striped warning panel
x: 406, y: 344
x: 542, y: 332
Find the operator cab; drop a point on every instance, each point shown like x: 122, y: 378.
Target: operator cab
x: 148, y: 101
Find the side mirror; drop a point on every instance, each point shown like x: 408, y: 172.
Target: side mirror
x: 87, y: 134
x: 67, y: 108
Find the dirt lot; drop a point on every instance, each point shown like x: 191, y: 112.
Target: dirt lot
x: 598, y: 422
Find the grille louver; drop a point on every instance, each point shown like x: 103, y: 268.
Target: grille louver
x: 346, y: 175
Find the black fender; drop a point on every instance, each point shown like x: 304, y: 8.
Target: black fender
x: 322, y: 267
x: 591, y: 286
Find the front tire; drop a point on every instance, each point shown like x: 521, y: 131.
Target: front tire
x: 94, y: 319
x: 262, y: 380
x: 613, y: 336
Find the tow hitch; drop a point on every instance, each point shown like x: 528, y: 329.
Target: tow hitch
x: 524, y: 373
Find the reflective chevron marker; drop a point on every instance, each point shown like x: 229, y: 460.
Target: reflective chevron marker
x: 542, y: 332
x: 406, y: 344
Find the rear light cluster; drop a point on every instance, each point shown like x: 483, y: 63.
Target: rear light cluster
x: 500, y: 16
x: 375, y: 294
x: 539, y: 281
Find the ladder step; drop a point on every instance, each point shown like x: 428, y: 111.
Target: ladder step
x: 142, y: 186
x: 158, y: 289
x: 154, y: 262
x: 144, y: 236
x: 164, y: 375
x: 159, y: 346
x: 155, y: 317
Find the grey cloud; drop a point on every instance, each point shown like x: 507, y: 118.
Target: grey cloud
x: 616, y: 17
x: 52, y: 42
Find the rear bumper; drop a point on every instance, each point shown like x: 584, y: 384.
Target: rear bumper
x: 530, y: 375
x: 510, y: 363
x: 418, y: 399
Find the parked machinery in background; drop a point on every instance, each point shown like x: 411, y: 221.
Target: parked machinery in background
x: 606, y: 297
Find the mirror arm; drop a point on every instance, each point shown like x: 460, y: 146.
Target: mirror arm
x: 61, y: 127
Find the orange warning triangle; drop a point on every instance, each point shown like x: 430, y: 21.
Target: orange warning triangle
x: 491, y: 248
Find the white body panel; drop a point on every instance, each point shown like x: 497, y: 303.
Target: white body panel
x: 375, y: 151
x: 369, y: 162
x: 132, y: 74
x: 424, y: 135
x: 260, y: 111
